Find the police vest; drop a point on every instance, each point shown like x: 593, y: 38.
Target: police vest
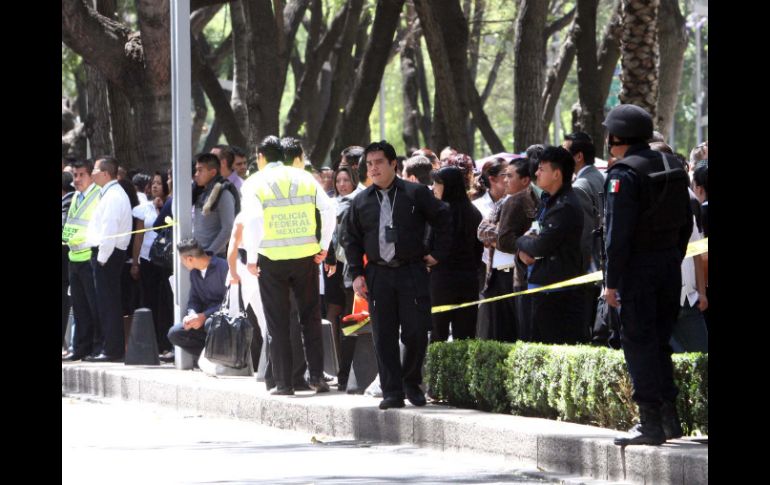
x: 288, y: 202
x: 74, y: 232
x: 664, y: 202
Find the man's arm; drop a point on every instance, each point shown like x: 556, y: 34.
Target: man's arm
x: 440, y: 219
x: 110, y: 216
x: 558, y: 221
x: 353, y: 241
x: 513, y: 223
x: 622, y: 191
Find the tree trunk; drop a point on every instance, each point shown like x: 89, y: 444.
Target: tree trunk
x: 240, y: 72
x: 557, y: 75
x: 591, y: 99
x: 673, y: 42
x: 213, y: 137
x: 446, y: 34
x: 98, y: 119
x: 639, y: 54
x: 481, y: 120
x: 426, y: 124
x: 366, y: 86
x: 199, y: 118
x: 410, y: 132
x: 344, y: 56
x: 609, y: 52
x: 315, y: 57
x: 528, y: 74
x: 123, y: 123
x: 473, y: 65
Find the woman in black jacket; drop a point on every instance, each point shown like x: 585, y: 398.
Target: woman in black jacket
x: 454, y: 279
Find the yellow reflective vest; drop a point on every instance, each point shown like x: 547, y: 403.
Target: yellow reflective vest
x: 74, y: 232
x: 288, y: 202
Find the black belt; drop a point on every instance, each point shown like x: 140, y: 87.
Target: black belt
x: 394, y: 263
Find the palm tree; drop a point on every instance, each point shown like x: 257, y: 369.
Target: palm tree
x: 639, y: 54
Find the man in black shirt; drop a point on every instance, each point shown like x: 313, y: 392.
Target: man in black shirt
x: 387, y: 223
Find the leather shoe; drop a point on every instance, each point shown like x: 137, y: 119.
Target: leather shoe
x: 391, y: 402
x: 72, y: 357
x: 276, y: 391
x: 103, y: 358
x: 302, y: 386
x: 318, y: 385
x: 416, y: 397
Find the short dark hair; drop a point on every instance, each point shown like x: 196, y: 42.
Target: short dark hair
x: 560, y: 159
x: 535, y: 151
x: 420, y: 167
x: 66, y: 182
x: 109, y: 165
x: 226, y: 153
x: 270, y: 148
x: 661, y: 146
x: 384, y: 147
x: 521, y: 166
x: 141, y: 180
x: 208, y: 159
x: 238, y: 151
x: 700, y: 175
x: 190, y: 247
x: 87, y: 164
x: 582, y: 143
x: 363, y: 174
x: 292, y: 149
x: 352, y: 154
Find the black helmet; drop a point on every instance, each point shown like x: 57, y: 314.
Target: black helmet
x: 629, y: 121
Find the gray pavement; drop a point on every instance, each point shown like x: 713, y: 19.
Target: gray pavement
x: 569, y: 449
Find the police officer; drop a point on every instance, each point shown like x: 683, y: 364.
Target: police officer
x: 279, y: 204
x: 387, y: 223
x: 648, y: 224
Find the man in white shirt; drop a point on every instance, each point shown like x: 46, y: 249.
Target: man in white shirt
x: 112, y: 217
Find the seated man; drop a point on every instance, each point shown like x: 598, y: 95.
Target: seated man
x: 208, y: 274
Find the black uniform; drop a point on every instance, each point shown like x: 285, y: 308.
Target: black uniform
x: 398, y: 290
x: 649, y: 222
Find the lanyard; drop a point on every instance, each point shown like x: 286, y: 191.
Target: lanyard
x: 392, y: 206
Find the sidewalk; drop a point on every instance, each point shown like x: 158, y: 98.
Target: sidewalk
x: 551, y: 445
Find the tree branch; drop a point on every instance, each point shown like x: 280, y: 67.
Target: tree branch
x: 559, y: 24
x: 481, y: 120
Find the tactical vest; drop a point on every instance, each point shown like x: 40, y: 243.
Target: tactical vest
x: 288, y: 202
x: 74, y: 231
x: 663, y: 200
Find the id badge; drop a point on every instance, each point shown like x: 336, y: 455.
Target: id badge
x: 535, y: 229
x: 391, y: 234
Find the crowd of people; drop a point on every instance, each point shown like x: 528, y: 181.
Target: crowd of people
x: 404, y: 233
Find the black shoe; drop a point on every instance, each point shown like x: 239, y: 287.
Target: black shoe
x: 72, y: 357
x: 391, y: 402
x: 167, y: 356
x: 277, y: 391
x: 672, y: 426
x: 319, y: 385
x: 649, y: 431
x: 302, y: 386
x: 104, y: 358
x: 416, y: 397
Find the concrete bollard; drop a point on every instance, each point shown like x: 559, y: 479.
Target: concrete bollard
x: 183, y: 360
x: 142, y: 348
x: 331, y: 362
x: 364, y: 368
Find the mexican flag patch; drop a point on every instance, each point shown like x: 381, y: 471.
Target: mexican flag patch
x: 614, y: 186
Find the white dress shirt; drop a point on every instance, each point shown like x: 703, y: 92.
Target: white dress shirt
x: 111, y: 217
x: 147, y: 212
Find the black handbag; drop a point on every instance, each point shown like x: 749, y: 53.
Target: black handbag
x: 228, y: 340
x: 162, y: 249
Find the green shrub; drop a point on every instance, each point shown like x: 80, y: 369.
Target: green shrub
x: 579, y: 384
x: 486, y: 374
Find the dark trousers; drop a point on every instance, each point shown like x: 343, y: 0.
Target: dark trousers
x: 276, y: 279
x: 256, y: 341
x: 65, y: 298
x: 157, y: 296
x: 299, y: 361
x: 649, y: 293
x: 399, y: 298
x: 452, y: 287
x: 131, y: 291
x: 108, y: 300
x: 87, y: 329
x: 347, y: 345
x: 192, y: 340
x: 501, y: 314
x: 558, y: 317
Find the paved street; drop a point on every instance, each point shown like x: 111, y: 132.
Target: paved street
x: 134, y: 443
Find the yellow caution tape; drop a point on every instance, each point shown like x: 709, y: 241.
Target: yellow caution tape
x: 168, y: 220
x: 693, y: 249
x: 350, y: 329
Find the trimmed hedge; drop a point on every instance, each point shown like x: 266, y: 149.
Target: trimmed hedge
x: 580, y: 384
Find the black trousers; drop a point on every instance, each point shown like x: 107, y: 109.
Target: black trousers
x: 88, y: 335
x: 500, y: 315
x: 558, y: 317
x: 108, y: 300
x: 299, y: 361
x: 347, y: 345
x: 399, y: 299
x: 157, y: 296
x: 649, y: 294
x: 276, y: 279
x: 452, y: 287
